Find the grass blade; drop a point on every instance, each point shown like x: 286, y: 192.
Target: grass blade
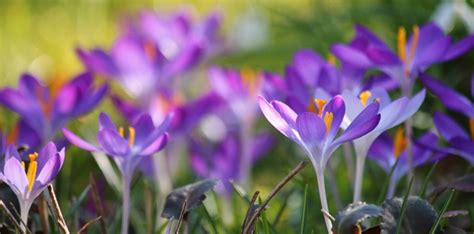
x: 383, y: 191
x: 440, y: 216
x: 427, y: 179
x: 404, y: 206
x: 303, y: 215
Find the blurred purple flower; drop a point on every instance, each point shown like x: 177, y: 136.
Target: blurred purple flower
x: 316, y: 132
x: 460, y: 143
x: 41, y: 169
x: 427, y: 45
x: 222, y: 160
x: 385, y: 151
x: 450, y: 98
x: 154, y: 49
x: 391, y: 115
x: 47, y: 109
x: 143, y: 140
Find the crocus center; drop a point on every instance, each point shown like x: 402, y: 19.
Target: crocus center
x: 31, y: 172
x: 131, y: 135
x: 364, y: 97
x: 471, y: 127
x: 332, y: 59
x: 328, y: 117
x: 150, y: 50
x: 402, y: 46
x: 316, y: 106
x: 251, y: 80
x: 399, y: 143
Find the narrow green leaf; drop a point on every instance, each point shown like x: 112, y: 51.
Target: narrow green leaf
x: 163, y: 226
x: 440, y: 216
x: 266, y: 228
x: 427, y: 179
x: 210, y: 219
x: 383, y: 191
x: 78, y: 202
x: 303, y: 215
x: 404, y: 206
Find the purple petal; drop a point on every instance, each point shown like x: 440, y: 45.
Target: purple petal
x: 45, y: 154
x: 381, y: 151
x: 447, y: 127
x: 127, y: 109
x: 337, y: 107
x: 351, y: 56
x: 459, y: 48
x: 112, y: 143
x: 79, y: 142
x: 365, y: 122
x: 14, y: 173
x: 465, y: 147
x: 412, y: 107
x: 98, y: 61
x: 450, y: 98
x: 285, y: 112
x: 275, y: 118
x: 156, y: 146
x: 390, y: 114
x: 431, y: 53
x: 105, y: 122
x: 261, y: 144
x: 311, y: 128
x: 51, y: 168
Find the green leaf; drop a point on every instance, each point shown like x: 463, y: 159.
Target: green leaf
x: 78, y: 202
x: 440, y: 216
x: 419, y: 216
x: 353, y: 215
x: 303, y: 215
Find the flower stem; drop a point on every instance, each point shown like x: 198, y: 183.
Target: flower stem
x: 24, y: 211
x: 361, y: 155
x: 125, y: 203
x: 322, y: 196
x: 391, y: 187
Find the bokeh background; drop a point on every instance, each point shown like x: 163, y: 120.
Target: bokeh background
x: 41, y: 37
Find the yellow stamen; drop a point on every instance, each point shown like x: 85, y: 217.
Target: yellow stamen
x: 414, y: 42
x: 328, y: 117
x: 31, y: 173
x: 23, y: 164
x: 320, y: 104
x: 131, y: 136
x: 400, y: 142
x: 471, y: 127
x: 121, y: 131
x: 332, y: 59
x: 402, y: 42
x: 364, y: 97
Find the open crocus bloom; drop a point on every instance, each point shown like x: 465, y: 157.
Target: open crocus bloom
x: 391, y: 114
x: 316, y: 131
x: 142, y: 139
x: 385, y: 151
x: 426, y: 46
x: 41, y: 169
x: 48, y: 109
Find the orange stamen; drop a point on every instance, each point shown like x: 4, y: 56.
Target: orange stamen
x: 399, y: 143
x: 328, y: 117
x: 364, y: 97
x: 320, y: 104
x: 471, y: 127
x: 401, y: 43
x: 414, y: 42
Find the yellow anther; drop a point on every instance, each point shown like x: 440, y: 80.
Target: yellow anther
x: 332, y: 59
x: 400, y: 142
x: 328, y: 117
x: 401, y: 43
x: 414, y: 42
x: 31, y: 173
x: 471, y: 127
x: 121, y: 131
x: 320, y: 104
x: 364, y: 97
x: 23, y: 164
x: 131, y: 136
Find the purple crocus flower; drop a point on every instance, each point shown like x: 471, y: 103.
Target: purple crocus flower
x: 391, y: 115
x: 385, y: 151
x: 41, y: 169
x: 426, y: 46
x: 316, y: 132
x: 153, y: 50
x: 222, y: 160
x: 142, y: 140
x: 47, y: 109
x: 460, y: 143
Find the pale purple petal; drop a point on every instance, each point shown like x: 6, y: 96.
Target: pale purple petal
x: 156, y: 146
x: 311, y: 128
x: 105, y: 122
x: 411, y: 108
x: 351, y: 56
x: 112, y: 143
x: 79, y: 142
x: 365, y: 122
x: 275, y: 118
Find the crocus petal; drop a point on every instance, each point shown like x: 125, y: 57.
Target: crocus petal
x: 311, y: 128
x: 79, y: 142
x: 381, y: 151
x: 275, y: 118
x: 447, y: 127
x: 51, y: 169
x: 351, y: 56
x: 285, y: 112
x: 450, y: 98
x: 337, y: 107
x: 143, y: 127
x: 459, y: 48
x: 112, y: 143
x: 14, y: 174
x: 365, y: 122
x: 390, y: 114
x: 465, y: 147
x: 412, y: 107
x: 261, y: 144
x: 156, y: 146
x: 45, y: 154
x: 105, y: 122
x: 431, y: 53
